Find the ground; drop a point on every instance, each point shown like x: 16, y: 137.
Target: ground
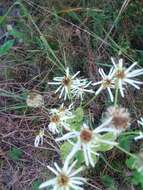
x: 42, y: 37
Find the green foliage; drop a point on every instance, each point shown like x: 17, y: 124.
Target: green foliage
x: 108, y: 182
x: 76, y: 122
x: 36, y: 184
x: 125, y: 142
x: 106, y: 137
x: 15, y: 154
x: 6, y: 47
x: 65, y: 149
x: 134, y: 163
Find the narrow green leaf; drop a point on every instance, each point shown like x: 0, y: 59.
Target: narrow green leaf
x: 6, y: 47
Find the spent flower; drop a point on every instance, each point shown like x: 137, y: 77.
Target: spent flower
x: 35, y: 100
x: 116, y: 119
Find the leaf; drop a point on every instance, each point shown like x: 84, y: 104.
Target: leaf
x: 108, y: 182
x: 65, y: 149
x: 106, y: 137
x: 137, y: 178
x: 15, y: 33
x: 125, y: 142
x: 6, y: 47
x: 76, y: 122
x: 36, y: 184
x: 131, y: 162
x: 15, y: 154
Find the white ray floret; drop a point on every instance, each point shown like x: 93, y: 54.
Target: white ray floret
x: 126, y: 76
x: 141, y: 121
x: 87, y: 141
x: 139, y: 137
x: 39, y: 139
x: 66, y: 178
x: 107, y: 82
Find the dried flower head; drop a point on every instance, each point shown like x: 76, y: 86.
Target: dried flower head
x: 34, y: 100
x: 117, y: 119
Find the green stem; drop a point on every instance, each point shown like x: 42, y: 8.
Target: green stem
x: 116, y: 94
x: 125, y: 151
x: 93, y: 98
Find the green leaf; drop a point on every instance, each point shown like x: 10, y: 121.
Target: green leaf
x: 76, y: 122
x: 131, y: 162
x: 36, y: 184
x: 15, y: 33
x: 106, y: 137
x: 79, y: 157
x: 108, y: 182
x: 65, y: 149
x: 125, y: 142
x: 6, y: 47
x: 137, y: 178
x: 15, y: 154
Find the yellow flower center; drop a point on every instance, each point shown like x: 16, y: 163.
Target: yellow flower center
x: 63, y: 180
x: 107, y: 83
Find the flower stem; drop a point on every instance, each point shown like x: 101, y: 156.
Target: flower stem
x: 125, y: 151
x: 116, y: 94
x: 93, y: 98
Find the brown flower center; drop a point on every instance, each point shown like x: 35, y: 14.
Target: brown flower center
x: 63, y: 180
x: 86, y: 135
x: 55, y: 118
x: 120, y: 74
x: 120, y: 122
x: 66, y: 81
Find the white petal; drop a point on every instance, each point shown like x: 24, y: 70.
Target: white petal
x: 53, y: 170
x: 127, y: 70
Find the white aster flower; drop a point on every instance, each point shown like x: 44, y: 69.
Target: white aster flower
x: 66, y: 178
x: 141, y: 121
x: 34, y: 100
x: 65, y: 84
x: 126, y: 76
x: 116, y: 120
x: 39, y: 138
x: 87, y: 141
x: 59, y: 119
x: 81, y: 88
x: 107, y: 82
x: 139, y: 137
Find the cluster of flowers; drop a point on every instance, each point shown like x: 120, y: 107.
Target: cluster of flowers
x: 86, y: 140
